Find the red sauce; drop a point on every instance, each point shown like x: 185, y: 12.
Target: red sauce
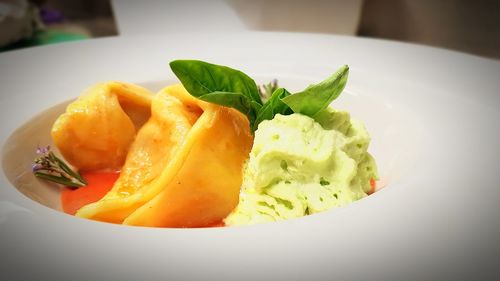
x: 99, y: 183
x: 373, y: 184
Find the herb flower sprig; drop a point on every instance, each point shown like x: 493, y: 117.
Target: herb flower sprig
x: 266, y: 90
x: 49, y: 167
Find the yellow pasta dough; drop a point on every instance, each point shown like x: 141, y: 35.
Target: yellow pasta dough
x: 98, y: 128
x: 184, y: 168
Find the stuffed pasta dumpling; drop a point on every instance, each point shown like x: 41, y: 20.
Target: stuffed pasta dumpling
x: 184, y: 168
x: 98, y: 128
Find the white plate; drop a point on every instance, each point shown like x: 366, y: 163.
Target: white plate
x: 432, y: 115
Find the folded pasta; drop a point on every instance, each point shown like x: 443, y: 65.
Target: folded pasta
x: 183, y: 169
x: 98, y: 128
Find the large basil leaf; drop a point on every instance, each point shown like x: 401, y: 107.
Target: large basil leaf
x: 273, y: 106
x: 201, y: 78
x: 317, y: 97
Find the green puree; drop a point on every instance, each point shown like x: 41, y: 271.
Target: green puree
x: 298, y: 166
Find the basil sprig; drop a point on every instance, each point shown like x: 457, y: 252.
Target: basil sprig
x: 229, y: 87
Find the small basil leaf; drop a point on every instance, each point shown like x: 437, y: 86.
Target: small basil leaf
x: 201, y: 78
x: 237, y: 101
x: 317, y: 97
x: 273, y: 106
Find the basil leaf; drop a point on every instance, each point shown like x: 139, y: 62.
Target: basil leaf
x: 237, y: 101
x: 273, y: 106
x: 201, y: 78
x: 317, y: 97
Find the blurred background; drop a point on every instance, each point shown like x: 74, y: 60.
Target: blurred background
x: 463, y: 25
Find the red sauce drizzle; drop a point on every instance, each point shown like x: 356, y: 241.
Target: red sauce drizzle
x: 373, y: 184
x: 99, y: 183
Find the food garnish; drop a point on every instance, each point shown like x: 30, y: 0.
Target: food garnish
x: 232, y: 88
x: 50, y: 167
x: 266, y: 90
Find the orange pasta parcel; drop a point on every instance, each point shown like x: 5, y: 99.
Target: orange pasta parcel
x: 183, y: 169
x: 97, y: 129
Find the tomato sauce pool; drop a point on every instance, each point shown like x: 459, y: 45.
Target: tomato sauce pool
x: 98, y: 184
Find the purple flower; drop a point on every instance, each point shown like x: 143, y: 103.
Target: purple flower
x: 36, y: 167
x: 43, y: 150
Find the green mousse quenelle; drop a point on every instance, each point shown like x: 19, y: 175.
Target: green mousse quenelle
x: 298, y: 166
x: 306, y: 157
